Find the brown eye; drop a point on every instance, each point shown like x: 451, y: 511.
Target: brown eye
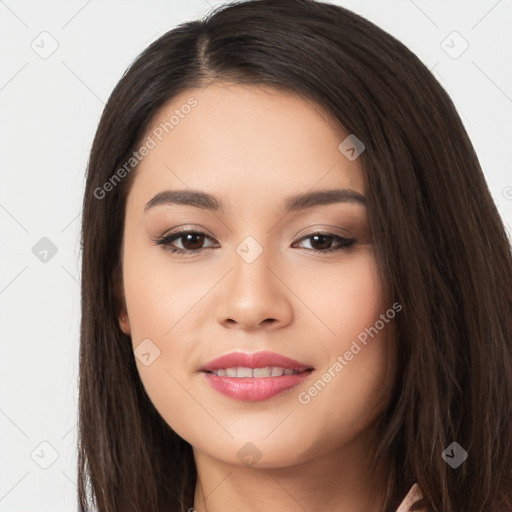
x: 322, y: 242
x: 191, y: 241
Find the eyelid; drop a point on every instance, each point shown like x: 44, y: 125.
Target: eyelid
x: 185, y: 229
x: 335, y: 230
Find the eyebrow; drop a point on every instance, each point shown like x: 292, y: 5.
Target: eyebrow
x: 294, y: 203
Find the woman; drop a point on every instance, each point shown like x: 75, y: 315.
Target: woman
x: 296, y: 289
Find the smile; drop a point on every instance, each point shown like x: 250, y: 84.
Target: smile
x: 255, y: 376
x: 242, y: 371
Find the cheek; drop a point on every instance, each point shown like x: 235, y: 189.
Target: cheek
x: 165, y: 308
x: 345, y: 300
x: 160, y: 296
x: 352, y: 385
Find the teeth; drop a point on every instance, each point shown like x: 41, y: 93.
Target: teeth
x: 276, y: 371
x: 262, y: 372
x: 242, y: 371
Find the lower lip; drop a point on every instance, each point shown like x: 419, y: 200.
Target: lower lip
x: 253, y: 389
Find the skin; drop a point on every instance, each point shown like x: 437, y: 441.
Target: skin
x: 251, y: 147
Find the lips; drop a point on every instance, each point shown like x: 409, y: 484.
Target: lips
x: 254, y: 377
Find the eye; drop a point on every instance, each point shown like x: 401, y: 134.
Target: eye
x: 193, y: 240
x: 324, y: 239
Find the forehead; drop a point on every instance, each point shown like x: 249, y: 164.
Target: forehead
x: 245, y: 143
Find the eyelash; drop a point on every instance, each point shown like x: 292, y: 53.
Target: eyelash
x: 165, y: 241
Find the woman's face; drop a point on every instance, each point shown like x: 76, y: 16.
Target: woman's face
x: 255, y: 279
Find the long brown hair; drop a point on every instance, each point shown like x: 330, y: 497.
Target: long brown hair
x: 442, y: 251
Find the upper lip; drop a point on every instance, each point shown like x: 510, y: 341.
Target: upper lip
x: 254, y: 360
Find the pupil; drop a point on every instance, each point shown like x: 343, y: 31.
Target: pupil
x: 187, y: 240
x: 322, y: 237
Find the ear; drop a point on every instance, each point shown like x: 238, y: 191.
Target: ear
x: 120, y: 301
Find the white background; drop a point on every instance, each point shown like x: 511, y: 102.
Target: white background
x: 49, y: 113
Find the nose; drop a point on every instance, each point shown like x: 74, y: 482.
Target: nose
x: 255, y: 296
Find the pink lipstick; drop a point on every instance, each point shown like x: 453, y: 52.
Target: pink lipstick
x: 254, y: 377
